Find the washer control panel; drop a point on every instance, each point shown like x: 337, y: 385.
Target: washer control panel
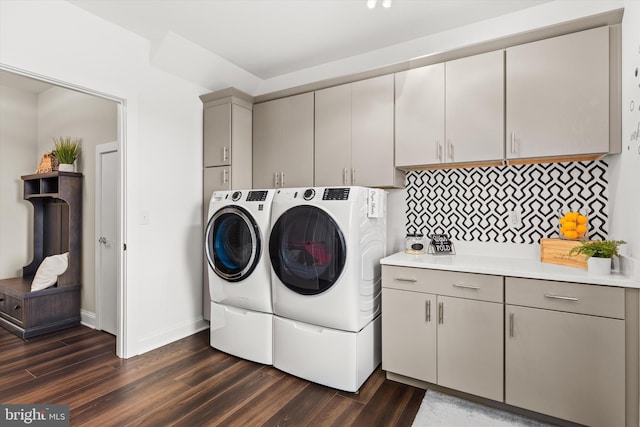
x: 336, y: 194
x: 308, y: 194
x: 236, y: 196
x: 257, y: 196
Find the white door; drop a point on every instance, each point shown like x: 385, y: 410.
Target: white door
x: 107, y: 174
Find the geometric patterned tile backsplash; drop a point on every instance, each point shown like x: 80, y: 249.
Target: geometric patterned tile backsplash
x: 473, y: 204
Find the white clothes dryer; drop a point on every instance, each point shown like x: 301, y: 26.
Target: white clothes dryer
x: 236, y: 240
x: 325, y: 248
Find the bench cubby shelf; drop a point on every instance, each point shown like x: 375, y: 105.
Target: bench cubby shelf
x: 57, y: 228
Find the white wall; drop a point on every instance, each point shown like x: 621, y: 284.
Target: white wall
x: 18, y: 148
x: 162, y: 155
x: 625, y: 168
x: 63, y: 112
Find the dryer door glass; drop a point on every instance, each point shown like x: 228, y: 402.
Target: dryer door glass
x: 307, y: 250
x: 232, y: 243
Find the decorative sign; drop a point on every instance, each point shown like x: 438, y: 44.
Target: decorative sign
x: 441, y: 244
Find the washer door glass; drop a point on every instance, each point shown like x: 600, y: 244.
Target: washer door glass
x: 232, y: 243
x: 307, y: 250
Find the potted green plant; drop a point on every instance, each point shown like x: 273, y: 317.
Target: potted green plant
x: 598, y: 253
x: 66, y: 150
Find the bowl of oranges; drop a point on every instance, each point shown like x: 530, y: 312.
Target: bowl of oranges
x: 574, y: 226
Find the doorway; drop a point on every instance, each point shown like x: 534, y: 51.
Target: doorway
x: 37, y: 82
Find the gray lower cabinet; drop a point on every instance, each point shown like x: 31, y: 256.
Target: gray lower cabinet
x: 444, y: 328
x: 565, y: 350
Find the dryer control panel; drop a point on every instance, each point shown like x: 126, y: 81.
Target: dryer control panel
x: 336, y: 194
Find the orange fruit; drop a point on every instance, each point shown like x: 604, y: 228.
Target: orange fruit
x: 571, y: 235
x: 581, y: 229
x: 582, y: 219
x: 569, y: 226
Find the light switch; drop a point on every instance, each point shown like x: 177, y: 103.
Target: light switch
x: 144, y: 217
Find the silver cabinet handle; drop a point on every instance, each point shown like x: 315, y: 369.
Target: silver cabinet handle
x: 402, y: 279
x: 353, y: 176
x: 276, y: 179
x: 511, y: 324
x: 225, y: 176
x: 225, y: 153
x: 513, y: 143
x: 441, y: 313
x: 561, y: 297
x: 450, y: 149
x: 460, y: 285
x: 282, y: 179
x: 428, y: 311
x: 344, y: 176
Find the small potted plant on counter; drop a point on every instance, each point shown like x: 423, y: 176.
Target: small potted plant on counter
x: 66, y: 150
x: 599, y: 254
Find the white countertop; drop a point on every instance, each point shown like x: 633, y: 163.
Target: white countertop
x: 507, y: 266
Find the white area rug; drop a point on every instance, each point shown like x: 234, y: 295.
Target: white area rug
x: 441, y: 410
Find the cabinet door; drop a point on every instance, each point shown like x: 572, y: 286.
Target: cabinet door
x: 570, y: 366
x: 409, y: 334
x: 241, y: 143
x: 297, y: 141
x: 372, y: 149
x: 475, y: 108
x: 419, y: 130
x: 332, y: 158
x: 470, y: 346
x: 217, y: 135
x: 558, y: 96
x: 267, y: 142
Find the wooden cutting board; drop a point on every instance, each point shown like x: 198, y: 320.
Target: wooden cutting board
x: 556, y: 251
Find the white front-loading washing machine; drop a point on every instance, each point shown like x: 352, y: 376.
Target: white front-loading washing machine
x: 236, y: 240
x: 325, y: 248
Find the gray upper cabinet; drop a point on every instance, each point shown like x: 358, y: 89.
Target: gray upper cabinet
x: 475, y: 108
x: 354, y: 135
x: 227, y: 128
x: 558, y: 96
x: 451, y: 112
x: 333, y: 136
x: 217, y: 135
x: 420, y: 116
x: 283, y: 142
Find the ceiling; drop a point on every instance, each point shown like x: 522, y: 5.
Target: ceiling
x: 270, y: 38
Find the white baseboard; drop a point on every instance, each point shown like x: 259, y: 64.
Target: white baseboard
x: 88, y: 319
x: 169, y: 335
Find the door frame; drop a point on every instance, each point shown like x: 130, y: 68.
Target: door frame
x: 104, y: 148
x: 122, y: 349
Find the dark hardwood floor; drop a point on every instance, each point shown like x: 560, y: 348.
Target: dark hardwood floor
x: 186, y: 383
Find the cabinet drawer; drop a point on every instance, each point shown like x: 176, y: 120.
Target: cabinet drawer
x: 11, y: 308
x: 449, y: 283
x: 579, y: 298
